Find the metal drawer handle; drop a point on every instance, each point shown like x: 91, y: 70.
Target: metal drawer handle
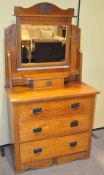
x: 37, y: 110
x: 74, y: 123
x: 75, y: 106
x: 73, y: 144
x: 37, y: 130
x: 37, y: 151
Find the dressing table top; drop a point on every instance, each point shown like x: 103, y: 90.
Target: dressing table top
x: 25, y: 94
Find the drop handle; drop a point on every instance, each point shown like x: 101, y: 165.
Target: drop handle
x: 74, y: 123
x: 37, y: 130
x: 75, y: 106
x: 37, y: 110
x: 73, y: 144
x: 37, y: 151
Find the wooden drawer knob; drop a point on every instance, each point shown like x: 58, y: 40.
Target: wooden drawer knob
x: 75, y: 106
x: 37, y: 130
x: 74, y: 123
x: 73, y: 144
x: 37, y: 110
x: 49, y: 83
x: 37, y: 151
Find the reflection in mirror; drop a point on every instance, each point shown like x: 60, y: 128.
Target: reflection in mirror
x: 43, y: 44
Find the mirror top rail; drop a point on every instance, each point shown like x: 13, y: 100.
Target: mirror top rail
x: 43, y: 9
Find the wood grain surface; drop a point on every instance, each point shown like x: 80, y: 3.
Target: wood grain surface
x: 53, y: 147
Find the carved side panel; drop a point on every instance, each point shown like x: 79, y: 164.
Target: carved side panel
x: 75, y: 45
x: 76, y: 65
x: 10, y: 34
x: 10, y: 53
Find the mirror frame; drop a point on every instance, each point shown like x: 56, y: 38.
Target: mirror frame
x: 44, y: 14
x: 51, y: 63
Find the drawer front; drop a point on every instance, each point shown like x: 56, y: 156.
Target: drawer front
x: 53, y: 147
x: 49, y: 83
x: 42, y: 129
x: 45, y: 109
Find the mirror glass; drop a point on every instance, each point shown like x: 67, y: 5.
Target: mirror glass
x: 42, y: 44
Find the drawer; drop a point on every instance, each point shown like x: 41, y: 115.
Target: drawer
x: 47, y: 109
x: 42, y: 129
x: 54, y: 147
x: 48, y: 83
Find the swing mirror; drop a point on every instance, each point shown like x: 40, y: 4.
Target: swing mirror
x: 43, y: 43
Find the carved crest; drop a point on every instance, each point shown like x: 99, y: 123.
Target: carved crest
x: 45, y: 8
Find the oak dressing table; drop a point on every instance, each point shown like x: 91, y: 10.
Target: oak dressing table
x: 50, y: 109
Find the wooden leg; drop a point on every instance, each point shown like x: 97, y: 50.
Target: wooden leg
x: 2, y: 151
